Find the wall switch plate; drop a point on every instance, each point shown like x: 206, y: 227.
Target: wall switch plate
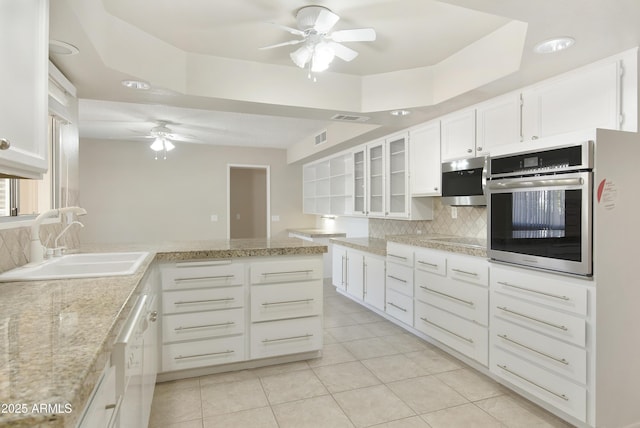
x: 275, y: 218
x: 454, y: 212
x: 214, y: 217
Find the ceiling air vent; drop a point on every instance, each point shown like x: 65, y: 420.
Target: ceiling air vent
x: 321, y: 137
x: 350, y: 118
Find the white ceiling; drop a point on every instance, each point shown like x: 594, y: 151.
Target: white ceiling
x: 212, y: 83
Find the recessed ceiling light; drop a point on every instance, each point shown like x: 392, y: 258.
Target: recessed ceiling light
x: 400, y: 112
x: 136, y: 84
x: 58, y: 47
x: 556, y: 44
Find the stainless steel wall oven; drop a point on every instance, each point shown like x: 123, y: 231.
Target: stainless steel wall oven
x: 540, y: 207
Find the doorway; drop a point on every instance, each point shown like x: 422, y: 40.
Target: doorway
x: 249, y: 202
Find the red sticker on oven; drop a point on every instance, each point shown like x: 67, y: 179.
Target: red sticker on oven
x: 607, y: 194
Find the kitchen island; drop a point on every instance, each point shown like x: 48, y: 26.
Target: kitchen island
x: 58, y: 334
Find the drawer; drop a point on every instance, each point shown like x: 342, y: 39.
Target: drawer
x: 401, y: 254
x: 554, y: 390
x: 204, y: 274
x: 290, y: 300
x: 468, y: 269
x: 202, y: 353
x: 200, y: 325
x: 552, y: 354
x: 431, y: 261
x: 400, y: 278
x: 400, y: 307
x: 464, y: 336
x: 466, y: 300
x: 269, y: 339
x: 283, y: 270
x: 202, y: 299
x: 560, y: 325
x: 559, y: 292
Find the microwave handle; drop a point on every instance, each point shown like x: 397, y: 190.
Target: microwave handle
x: 542, y: 182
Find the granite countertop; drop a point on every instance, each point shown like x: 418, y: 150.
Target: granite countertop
x: 55, y: 336
x: 455, y: 244
x: 317, y: 233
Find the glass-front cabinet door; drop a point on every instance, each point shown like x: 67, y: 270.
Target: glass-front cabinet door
x: 359, y: 182
x: 397, y: 198
x: 375, y: 179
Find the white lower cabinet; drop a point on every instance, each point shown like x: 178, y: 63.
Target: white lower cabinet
x: 360, y: 274
x: 286, y: 307
x: 538, y: 336
x: 201, y: 353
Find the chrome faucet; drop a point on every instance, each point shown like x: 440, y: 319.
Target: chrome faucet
x: 37, y: 249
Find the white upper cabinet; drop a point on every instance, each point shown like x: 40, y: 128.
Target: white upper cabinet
x: 592, y: 97
x: 459, y: 135
x: 425, y: 160
x: 397, y: 172
x: 23, y: 82
x: 497, y: 123
x: 359, y: 201
x: 376, y: 179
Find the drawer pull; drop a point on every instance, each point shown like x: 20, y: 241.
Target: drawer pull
x: 222, y: 324
x: 304, y: 336
x: 194, y: 302
x: 203, y: 263
x: 291, y: 272
x: 202, y: 278
x: 447, y: 330
x: 555, y: 296
x: 288, y: 302
x: 433, y: 265
x: 544, y: 354
x: 562, y: 396
x: 397, y: 257
x: 397, y: 279
x: 396, y: 306
x: 559, y: 327
x: 466, y: 302
x: 464, y: 272
x: 209, y: 354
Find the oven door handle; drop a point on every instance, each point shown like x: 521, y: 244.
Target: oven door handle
x: 535, y: 182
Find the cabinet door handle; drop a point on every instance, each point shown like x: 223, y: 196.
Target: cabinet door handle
x: 505, y: 368
x: 466, y: 339
x: 201, y: 278
x: 287, y: 302
x: 193, y: 302
x: 222, y: 324
x: 464, y: 272
x: 303, y: 336
x: 397, y: 279
x: 433, y: 265
x: 529, y: 317
x: 396, y: 306
x: 479, y: 149
x: 208, y: 354
x: 290, y: 272
x: 4, y: 144
x: 466, y: 302
x: 530, y: 290
x: 544, y: 354
x: 115, y: 416
x: 469, y: 150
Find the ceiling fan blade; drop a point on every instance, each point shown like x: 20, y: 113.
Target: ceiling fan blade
x: 355, y: 35
x: 290, y: 42
x: 343, y: 52
x: 293, y: 31
x: 325, y: 21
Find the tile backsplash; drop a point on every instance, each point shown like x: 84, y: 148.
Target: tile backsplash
x: 14, y: 243
x: 470, y: 221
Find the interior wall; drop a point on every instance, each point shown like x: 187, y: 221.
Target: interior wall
x: 248, y: 202
x: 130, y: 197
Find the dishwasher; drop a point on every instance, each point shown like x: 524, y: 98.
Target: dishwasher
x: 127, y: 358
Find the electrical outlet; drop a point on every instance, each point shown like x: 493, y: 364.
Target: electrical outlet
x: 214, y: 217
x: 275, y: 218
x: 454, y: 212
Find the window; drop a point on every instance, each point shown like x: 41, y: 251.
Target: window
x: 22, y: 197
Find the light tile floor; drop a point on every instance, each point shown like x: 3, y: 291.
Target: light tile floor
x: 371, y: 373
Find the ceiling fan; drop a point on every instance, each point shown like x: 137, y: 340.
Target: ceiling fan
x: 320, y: 44
x: 163, y: 138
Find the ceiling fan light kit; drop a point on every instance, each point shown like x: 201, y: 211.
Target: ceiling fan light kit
x: 320, y: 46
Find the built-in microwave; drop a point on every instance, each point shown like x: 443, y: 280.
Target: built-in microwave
x: 540, y: 209
x: 464, y: 181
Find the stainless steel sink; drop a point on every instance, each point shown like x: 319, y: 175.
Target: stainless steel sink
x: 84, y: 265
